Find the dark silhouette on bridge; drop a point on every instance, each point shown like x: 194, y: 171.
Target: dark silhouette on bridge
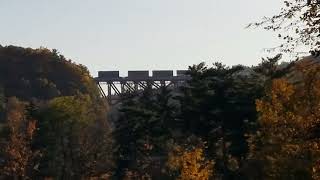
x: 137, y: 81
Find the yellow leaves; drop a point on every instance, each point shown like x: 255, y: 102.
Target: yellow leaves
x: 273, y: 106
x: 281, y: 89
x: 191, y: 164
x: 278, y: 106
x: 259, y: 105
x: 289, y: 118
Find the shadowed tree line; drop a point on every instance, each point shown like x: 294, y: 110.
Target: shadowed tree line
x: 53, y: 122
x: 211, y: 115
x: 225, y: 123
x: 259, y: 122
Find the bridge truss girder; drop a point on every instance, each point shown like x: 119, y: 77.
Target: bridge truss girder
x: 111, y: 90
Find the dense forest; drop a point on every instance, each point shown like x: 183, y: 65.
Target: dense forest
x: 225, y: 123
x: 53, y: 121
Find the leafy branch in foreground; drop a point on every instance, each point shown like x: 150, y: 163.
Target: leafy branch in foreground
x: 298, y: 24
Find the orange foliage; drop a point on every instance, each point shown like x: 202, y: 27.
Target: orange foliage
x: 288, y: 143
x: 17, y: 150
x: 191, y: 164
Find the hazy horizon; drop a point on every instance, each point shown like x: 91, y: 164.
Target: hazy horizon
x: 142, y: 34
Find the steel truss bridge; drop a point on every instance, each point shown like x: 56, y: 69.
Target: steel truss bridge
x: 112, y: 85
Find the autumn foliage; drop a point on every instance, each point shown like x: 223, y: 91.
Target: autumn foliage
x: 225, y: 123
x: 286, y: 146
x: 53, y: 122
x: 17, y: 149
x: 190, y: 163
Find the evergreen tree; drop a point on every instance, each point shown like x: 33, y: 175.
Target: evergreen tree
x: 216, y: 105
x: 144, y: 126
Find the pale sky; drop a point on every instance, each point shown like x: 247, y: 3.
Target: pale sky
x: 141, y: 34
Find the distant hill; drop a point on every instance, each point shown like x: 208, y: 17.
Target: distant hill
x: 50, y: 105
x: 42, y: 74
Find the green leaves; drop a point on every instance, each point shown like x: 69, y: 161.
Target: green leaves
x: 74, y: 136
x: 42, y: 74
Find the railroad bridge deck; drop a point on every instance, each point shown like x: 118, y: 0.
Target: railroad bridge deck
x: 112, y: 85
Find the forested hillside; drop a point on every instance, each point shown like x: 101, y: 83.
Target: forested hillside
x: 53, y: 121
x: 239, y: 122
x: 42, y: 74
x: 223, y: 123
